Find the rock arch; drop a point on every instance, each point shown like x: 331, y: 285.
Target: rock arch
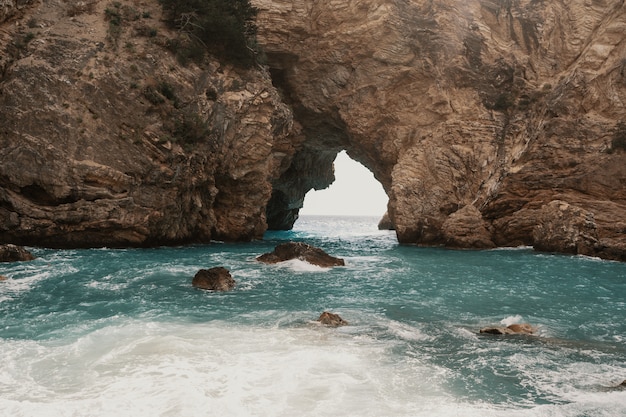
x: 475, y: 118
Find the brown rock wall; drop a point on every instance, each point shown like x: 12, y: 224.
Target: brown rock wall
x: 106, y: 139
x: 475, y: 116
x: 501, y: 106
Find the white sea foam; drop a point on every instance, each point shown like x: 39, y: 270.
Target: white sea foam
x: 299, y: 265
x: 14, y: 286
x: 507, y: 321
x: 180, y: 370
x: 169, y: 369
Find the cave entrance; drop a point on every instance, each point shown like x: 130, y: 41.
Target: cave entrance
x: 355, y: 192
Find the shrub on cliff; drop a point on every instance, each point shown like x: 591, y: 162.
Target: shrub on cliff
x: 226, y: 28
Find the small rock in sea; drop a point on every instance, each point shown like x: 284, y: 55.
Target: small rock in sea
x: 3, y: 278
x: 331, y: 319
x: 215, y: 279
x: 14, y: 253
x: 302, y: 251
x: 523, y: 328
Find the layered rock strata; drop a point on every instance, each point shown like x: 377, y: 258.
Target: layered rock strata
x: 488, y: 123
x: 106, y: 139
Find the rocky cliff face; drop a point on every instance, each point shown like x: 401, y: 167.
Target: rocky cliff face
x: 106, y: 139
x: 488, y: 122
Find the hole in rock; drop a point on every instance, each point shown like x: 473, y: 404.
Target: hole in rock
x: 355, y: 192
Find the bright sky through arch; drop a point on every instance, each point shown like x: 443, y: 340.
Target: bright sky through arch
x: 355, y: 192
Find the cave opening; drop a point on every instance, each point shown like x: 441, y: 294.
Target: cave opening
x: 355, y: 192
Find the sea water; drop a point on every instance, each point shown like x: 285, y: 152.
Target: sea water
x: 110, y: 332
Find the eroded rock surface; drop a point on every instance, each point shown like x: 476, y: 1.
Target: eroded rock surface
x: 14, y: 253
x: 107, y: 140
x: 486, y: 122
x: 331, y: 319
x: 214, y: 279
x: 302, y: 251
x: 475, y: 116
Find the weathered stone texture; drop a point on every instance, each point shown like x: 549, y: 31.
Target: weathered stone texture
x: 106, y: 140
x: 475, y: 116
x: 497, y: 105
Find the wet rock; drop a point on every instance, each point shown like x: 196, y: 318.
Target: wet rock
x: 466, y: 228
x: 565, y: 228
x: 331, y: 319
x: 14, y: 253
x: 302, y: 251
x: 385, y: 222
x: 3, y: 278
x: 523, y: 328
x: 215, y: 279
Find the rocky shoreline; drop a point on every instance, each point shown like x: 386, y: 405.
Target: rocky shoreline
x: 488, y: 125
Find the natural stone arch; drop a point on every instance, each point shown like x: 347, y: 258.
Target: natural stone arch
x: 474, y: 117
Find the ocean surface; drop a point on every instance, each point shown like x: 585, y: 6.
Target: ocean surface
x: 107, y: 332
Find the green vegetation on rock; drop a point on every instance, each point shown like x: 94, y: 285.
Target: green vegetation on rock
x: 223, y: 27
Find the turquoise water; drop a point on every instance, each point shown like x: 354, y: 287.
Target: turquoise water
x: 122, y: 332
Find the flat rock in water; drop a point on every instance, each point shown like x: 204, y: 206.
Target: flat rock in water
x: 215, y: 279
x: 14, y: 253
x: 331, y: 319
x: 302, y: 251
x: 523, y: 328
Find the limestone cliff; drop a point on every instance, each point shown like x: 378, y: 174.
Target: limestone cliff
x: 106, y: 139
x: 488, y: 122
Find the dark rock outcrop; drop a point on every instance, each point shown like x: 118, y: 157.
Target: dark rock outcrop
x: 14, y: 253
x: 331, y: 319
x: 385, y: 223
x: 215, y: 279
x: 523, y: 328
x: 302, y: 251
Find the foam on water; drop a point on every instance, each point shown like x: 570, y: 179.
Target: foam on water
x: 106, y: 332
x: 299, y: 265
x: 182, y: 369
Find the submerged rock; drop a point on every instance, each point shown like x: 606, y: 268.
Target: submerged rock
x: 331, y: 319
x: 523, y: 328
x: 215, y: 279
x: 14, y: 253
x: 302, y: 251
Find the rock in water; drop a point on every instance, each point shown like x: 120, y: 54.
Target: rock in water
x: 331, y: 319
x: 385, y: 222
x: 523, y: 328
x: 3, y: 278
x: 14, y: 253
x: 302, y: 251
x: 216, y: 279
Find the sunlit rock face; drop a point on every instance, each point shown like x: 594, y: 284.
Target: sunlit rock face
x: 496, y: 108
